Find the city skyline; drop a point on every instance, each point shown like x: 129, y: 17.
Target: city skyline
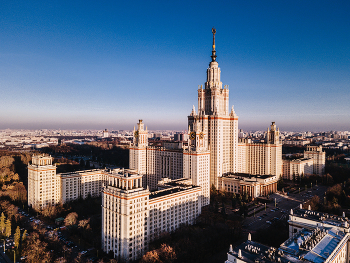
x: 86, y: 66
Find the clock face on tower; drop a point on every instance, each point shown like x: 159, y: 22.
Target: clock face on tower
x: 201, y: 135
x: 192, y: 135
x: 136, y: 134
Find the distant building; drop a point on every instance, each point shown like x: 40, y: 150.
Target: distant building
x: 260, y: 158
x: 295, y: 168
x: 181, y: 137
x: 253, y: 185
x: 105, y: 134
x: 297, y: 142
x: 319, y: 158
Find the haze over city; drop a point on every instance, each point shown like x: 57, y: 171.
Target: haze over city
x: 96, y: 65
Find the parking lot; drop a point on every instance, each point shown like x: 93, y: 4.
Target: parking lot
x: 284, y: 203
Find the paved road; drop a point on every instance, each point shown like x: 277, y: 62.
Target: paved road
x: 284, y: 204
x: 3, y: 259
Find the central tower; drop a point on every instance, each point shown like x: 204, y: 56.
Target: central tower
x: 219, y: 126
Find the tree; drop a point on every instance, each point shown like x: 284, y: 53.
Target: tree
x: 150, y: 257
x: 233, y: 200
x: 8, y: 228
x: 246, y: 197
x: 71, y: 219
x: 84, y: 224
x: 24, y: 235
x: 314, y: 203
x: 166, y: 253
x: 213, y: 190
x: 280, y: 183
x: 17, y: 237
x: 2, y: 222
x: 35, y: 250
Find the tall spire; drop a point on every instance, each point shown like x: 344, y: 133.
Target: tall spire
x: 213, y: 52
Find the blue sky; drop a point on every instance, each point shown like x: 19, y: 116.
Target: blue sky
x: 106, y: 64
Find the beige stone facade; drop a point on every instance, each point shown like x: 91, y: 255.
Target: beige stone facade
x: 82, y: 184
x: 45, y: 187
x: 173, y: 161
x: 319, y: 158
x: 292, y: 169
x: 262, y: 157
x: 43, y: 182
x: 133, y: 216
x: 254, y: 185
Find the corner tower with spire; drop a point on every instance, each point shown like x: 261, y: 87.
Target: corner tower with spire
x: 218, y: 125
x: 137, y: 150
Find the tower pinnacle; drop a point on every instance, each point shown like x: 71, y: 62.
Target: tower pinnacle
x: 213, y: 53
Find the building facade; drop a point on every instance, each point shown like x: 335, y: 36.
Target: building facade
x: 43, y: 183
x: 264, y: 157
x: 132, y: 216
x: 46, y: 188
x: 294, y: 168
x: 252, y: 185
x: 319, y: 158
x: 313, y: 162
x: 173, y: 161
x: 82, y: 184
x: 218, y: 125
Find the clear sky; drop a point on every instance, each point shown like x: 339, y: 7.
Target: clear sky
x: 106, y: 64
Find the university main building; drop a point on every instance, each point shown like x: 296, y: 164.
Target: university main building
x: 167, y: 186
x: 213, y: 155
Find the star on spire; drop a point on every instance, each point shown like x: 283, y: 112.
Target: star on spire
x: 213, y: 52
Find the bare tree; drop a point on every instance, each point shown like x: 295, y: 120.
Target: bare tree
x: 35, y: 250
x: 71, y: 219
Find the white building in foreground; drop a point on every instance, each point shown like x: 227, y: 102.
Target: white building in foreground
x: 132, y: 216
x: 313, y: 237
